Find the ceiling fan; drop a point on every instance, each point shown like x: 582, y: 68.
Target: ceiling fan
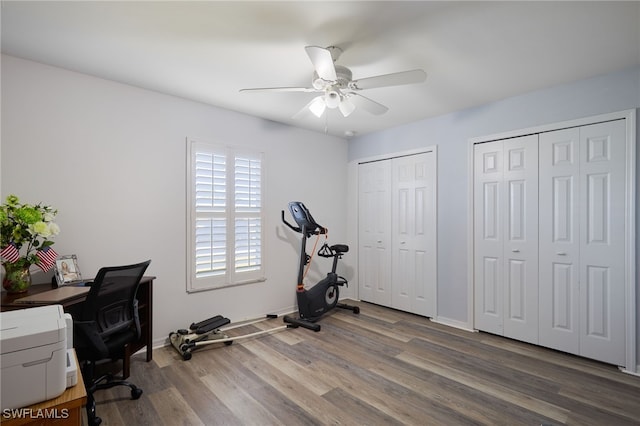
x: 336, y: 87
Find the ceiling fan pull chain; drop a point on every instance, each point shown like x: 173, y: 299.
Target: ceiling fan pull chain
x: 326, y: 123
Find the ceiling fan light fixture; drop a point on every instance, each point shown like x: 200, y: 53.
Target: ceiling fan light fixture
x: 346, y: 106
x: 317, y: 106
x: 317, y: 82
x: 332, y: 98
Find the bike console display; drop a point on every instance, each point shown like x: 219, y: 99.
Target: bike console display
x: 304, y: 219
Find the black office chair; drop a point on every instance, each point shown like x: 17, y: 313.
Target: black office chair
x: 108, y: 322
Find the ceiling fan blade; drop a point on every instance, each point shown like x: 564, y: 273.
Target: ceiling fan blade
x: 316, y: 106
x: 367, y: 104
x: 346, y: 106
x: 322, y: 62
x: 281, y: 89
x: 394, y: 79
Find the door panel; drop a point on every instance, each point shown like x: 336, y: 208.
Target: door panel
x: 562, y: 195
x: 490, y: 210
x: 506, y: 237
x: 602, y: 232
x: 488, y: 259
x: 413, y: 234
x: 563, y: 305
x: 491, y: 287
x: 374, y: 234
x: 521, y: 238
x: 559, y: 243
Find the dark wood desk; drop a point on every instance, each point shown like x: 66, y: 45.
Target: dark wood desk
x: 145, y: 309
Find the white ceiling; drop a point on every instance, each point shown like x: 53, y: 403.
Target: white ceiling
x: 473, y: 52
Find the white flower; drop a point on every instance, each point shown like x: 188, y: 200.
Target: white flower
x: 40, y: 228
x: 54, y: 229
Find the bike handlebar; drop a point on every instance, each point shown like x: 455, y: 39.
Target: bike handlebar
x: 295, y: 228
x: 318, y: 230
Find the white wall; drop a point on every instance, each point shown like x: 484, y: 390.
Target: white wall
x: 451, y: 133
x: 111, y: 159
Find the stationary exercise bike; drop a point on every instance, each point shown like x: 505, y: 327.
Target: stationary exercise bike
x: 324, y: 296
x: 312, y: 303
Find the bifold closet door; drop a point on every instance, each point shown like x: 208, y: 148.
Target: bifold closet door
x: 488, y: 240
x: 560, y: 240
x: 582, y: 226
x: 506, y: 237
x: 521, y: 238
x: 602, y: 239
x: 374, y: 232
x: 397, y: 259
x: 413, y: 212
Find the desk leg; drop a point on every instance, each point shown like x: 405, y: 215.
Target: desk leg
x: 149, y: 339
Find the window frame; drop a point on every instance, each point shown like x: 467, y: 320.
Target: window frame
x: 229, y: 275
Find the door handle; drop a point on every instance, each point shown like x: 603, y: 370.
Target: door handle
x: 561, y: 253
x: 516, y: 250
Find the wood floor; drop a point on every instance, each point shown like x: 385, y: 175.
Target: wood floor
x: 382, y: 367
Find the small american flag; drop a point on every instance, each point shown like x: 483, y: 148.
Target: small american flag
x: 46, y: 258
x: 10, y: 253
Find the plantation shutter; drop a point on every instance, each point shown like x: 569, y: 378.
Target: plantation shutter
x: 248, y: 208
x: 225, y: 217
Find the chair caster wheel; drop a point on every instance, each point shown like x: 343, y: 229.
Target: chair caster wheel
x: 95, y: 421
x: 356, y: 310
x: 229, y: 343
x: 136, y: 393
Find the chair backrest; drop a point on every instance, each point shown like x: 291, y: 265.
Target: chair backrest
x: 112, y: 298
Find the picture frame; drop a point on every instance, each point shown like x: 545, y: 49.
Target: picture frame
x: 67, y: 271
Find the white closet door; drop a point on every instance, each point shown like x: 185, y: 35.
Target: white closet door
x: 602, y: 239
x: 575, y: 241
x: 559, y: 253
x: 374, y: 233
x: 413, y: 215
x: 582, y: 205
x: 488, y: 238
x: 521, y: 238
x: 506, y: 237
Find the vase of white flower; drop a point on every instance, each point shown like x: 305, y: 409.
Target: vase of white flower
x: 25, y: 241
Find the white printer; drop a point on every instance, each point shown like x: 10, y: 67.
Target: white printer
x: 34, y: 355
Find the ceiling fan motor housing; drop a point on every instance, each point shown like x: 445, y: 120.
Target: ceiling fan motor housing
x: 344, y: 76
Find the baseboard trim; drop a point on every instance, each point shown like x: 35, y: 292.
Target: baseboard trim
x: 633, y: 373
x: 454, y: 323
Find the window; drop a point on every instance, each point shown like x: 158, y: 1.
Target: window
x: 224, y: 217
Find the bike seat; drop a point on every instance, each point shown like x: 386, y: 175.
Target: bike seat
x: 340, y: 248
